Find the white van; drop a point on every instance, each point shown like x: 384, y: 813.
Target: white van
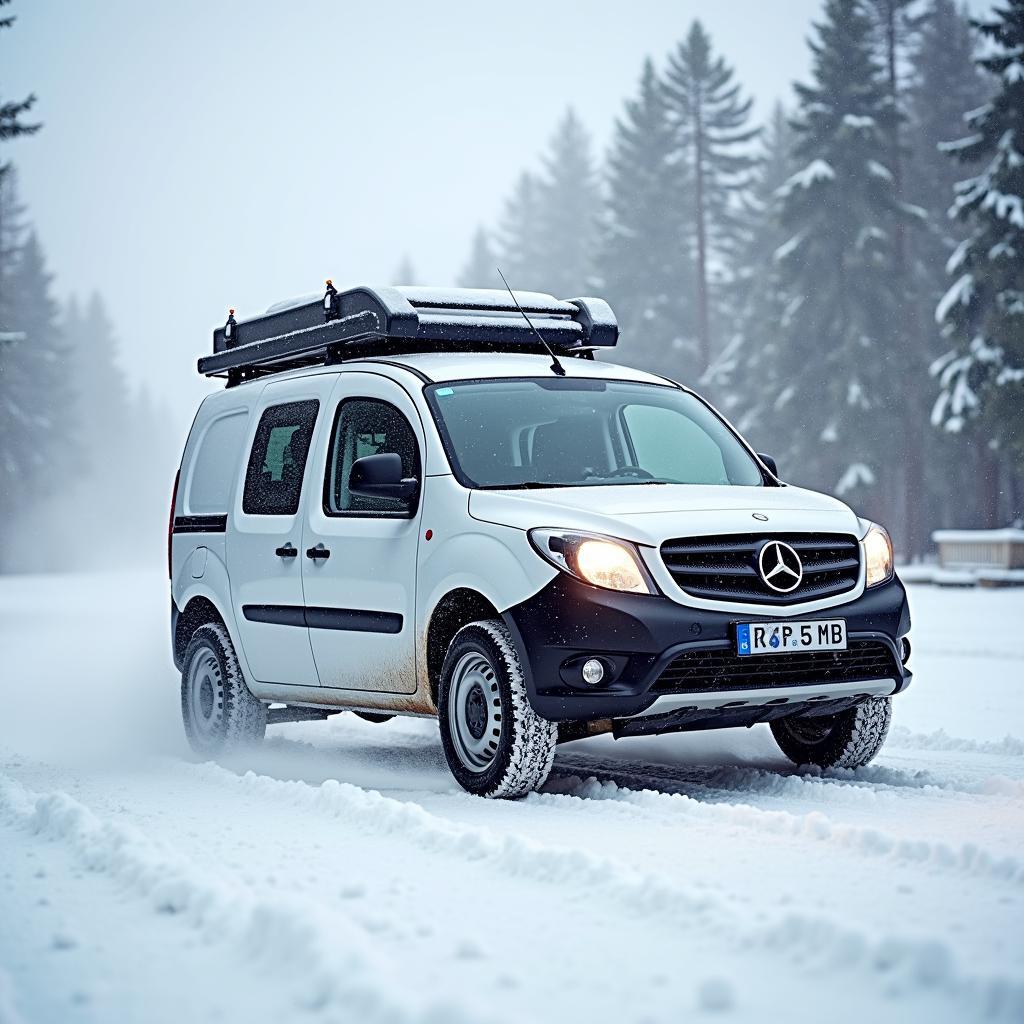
x: 438, y: 503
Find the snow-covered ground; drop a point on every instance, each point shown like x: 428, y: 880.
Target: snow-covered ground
x: 338, y: 874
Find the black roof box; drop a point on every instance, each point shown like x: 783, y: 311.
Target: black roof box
x: 375, y: 320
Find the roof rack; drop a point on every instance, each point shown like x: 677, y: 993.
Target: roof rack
x: 366, y: 321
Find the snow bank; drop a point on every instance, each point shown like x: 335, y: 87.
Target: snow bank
x: 804, y: 937
x: 326, y: 965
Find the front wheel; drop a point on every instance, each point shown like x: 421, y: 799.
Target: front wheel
x: 849, y: 739
x: 496, y: 745
x: 219, y: 712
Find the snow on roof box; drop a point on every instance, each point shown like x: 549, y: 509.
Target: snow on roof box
x: 363, y: 320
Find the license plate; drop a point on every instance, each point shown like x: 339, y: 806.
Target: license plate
x: 787, y: 637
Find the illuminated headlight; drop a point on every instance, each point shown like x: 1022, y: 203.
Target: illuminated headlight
x: 877, y: 555
x: 597, y: 560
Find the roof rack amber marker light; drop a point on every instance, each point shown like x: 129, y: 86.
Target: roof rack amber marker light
x: 877, y: 555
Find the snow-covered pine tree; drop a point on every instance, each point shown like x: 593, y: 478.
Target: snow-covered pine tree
x: 12, y: 113
x: 981, y: 377
x: 569, y: 205
x: 520, y: 244
x: 897, y: 23
x: 641, y: 264
x: 743, y: 374
x: 479, y: 271
x: 103, y: 400
x: 712, y: 135
x: 838, y: 384
x: 38, y: 435
x: 944, y: 83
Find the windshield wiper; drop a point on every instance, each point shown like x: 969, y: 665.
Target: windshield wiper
x: 525, y: 485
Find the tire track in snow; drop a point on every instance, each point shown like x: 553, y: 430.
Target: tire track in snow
x: 967, y: 858
x: 859, y: 785
x: 902, y: 738
x: 331, y: 962
x: 811, y: 941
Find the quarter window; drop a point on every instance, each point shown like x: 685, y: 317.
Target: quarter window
x: 367, y: 426
x: 273, y: 480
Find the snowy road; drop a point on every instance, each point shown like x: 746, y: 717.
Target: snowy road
x: 338, y: 874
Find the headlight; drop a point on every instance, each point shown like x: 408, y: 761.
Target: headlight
x: 599, y: 561
x: 877, y: 555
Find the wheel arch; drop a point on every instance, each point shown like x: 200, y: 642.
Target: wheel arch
x: 457, y: 608
x: 199, y: 609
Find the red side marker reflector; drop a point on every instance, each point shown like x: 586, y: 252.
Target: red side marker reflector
x: 428, y: 535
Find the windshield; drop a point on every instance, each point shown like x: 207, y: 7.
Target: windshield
x: 572, y: 432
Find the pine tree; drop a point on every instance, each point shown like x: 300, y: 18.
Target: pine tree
x: 945, y: 83
x: 520, y: 245
x: 569, y: 204
x: 103, y: 401
x: 710, y: 121
x: 479, y: 271
x: 982, y: 313
x: 38, y: 445
x: 897, y: 24
x: 743, y: 372
x: 12, y: 124
x: 837, y: 388
x: 641, y: 263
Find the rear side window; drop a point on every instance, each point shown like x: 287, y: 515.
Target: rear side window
x: 215, y: 466
x: 367, y: 426
x: 273, y: 480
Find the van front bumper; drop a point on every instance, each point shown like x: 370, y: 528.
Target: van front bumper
x: 638, y: 637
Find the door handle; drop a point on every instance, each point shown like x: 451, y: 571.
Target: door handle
x: 288, y: 551
x: 318, y: 552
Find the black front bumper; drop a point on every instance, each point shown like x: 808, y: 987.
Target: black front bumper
x: 639, y: 636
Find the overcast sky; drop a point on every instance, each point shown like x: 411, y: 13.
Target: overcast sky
x: 200, y: 155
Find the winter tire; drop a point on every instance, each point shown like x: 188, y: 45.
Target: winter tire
x: 850, y: 739
x: 219, y: 712
x: 495, y: 743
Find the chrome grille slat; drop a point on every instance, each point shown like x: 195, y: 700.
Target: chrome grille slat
x: 724, y: 567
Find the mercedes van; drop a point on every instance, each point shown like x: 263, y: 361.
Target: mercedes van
x: 440, y: 503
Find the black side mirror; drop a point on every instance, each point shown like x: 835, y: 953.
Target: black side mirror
x: 380, y: 476
x: 770, y: 463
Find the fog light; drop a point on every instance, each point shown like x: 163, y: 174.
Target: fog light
x: 904, y: 650
x: 593, y: 671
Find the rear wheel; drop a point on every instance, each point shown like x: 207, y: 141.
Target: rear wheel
x: 495, y: 743
x: 219, y: 712
x: 850, y: 739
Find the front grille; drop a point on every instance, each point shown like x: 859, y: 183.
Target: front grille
x: 724, y: 568
x: 722, y: 669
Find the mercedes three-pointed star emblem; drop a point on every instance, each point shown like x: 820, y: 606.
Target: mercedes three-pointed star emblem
x: 780, y: 566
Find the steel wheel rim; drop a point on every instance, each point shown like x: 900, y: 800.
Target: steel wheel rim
x: 206, y: 692
x: 474, y: 712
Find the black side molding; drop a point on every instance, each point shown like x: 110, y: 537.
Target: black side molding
x: 200, y: 524
x: 355, y: 620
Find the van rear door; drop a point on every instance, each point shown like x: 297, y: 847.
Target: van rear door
x: 265, y: 537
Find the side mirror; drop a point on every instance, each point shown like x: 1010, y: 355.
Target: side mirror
x: 770, y: 463
x: 380, y: 476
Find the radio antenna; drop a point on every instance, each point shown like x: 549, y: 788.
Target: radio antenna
x: 556, y: 366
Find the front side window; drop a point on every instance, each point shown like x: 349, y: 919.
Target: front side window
x: 573, y: 432
x: 273, y: 480
x: 368, y: 426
